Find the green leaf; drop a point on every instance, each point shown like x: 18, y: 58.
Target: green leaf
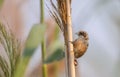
x: 29, y: 51
x: 59, y: 54
x: 35, y: 36
x: 34, y: 39
x: 21, y: 67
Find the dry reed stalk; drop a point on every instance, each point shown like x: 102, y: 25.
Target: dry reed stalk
x: 61, y: 12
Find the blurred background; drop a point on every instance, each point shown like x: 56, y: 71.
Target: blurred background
x: 100, y: 18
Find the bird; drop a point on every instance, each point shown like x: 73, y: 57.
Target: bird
x: 80, y: 45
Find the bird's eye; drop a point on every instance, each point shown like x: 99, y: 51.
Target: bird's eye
x: 81, y: 33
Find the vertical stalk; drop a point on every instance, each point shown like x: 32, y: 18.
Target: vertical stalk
x: 42, y: 11
x: 44, y: 68
x: 69, y: 47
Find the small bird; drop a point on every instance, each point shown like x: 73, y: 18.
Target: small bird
x: 80, y: 45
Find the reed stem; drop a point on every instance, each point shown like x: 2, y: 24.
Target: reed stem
x: 69, y: 47
x: 44, y: 67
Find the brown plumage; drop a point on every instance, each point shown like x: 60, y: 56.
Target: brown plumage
x: 80, y: 44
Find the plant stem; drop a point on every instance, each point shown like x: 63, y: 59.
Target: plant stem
x: 69, y: 47
x: 44, y: 68
x: 42, y: 11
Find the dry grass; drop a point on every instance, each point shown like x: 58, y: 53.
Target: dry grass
x: 12, y: 48
x: 59, y: 13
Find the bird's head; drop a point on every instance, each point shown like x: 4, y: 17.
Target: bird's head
x: 83, y: 34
